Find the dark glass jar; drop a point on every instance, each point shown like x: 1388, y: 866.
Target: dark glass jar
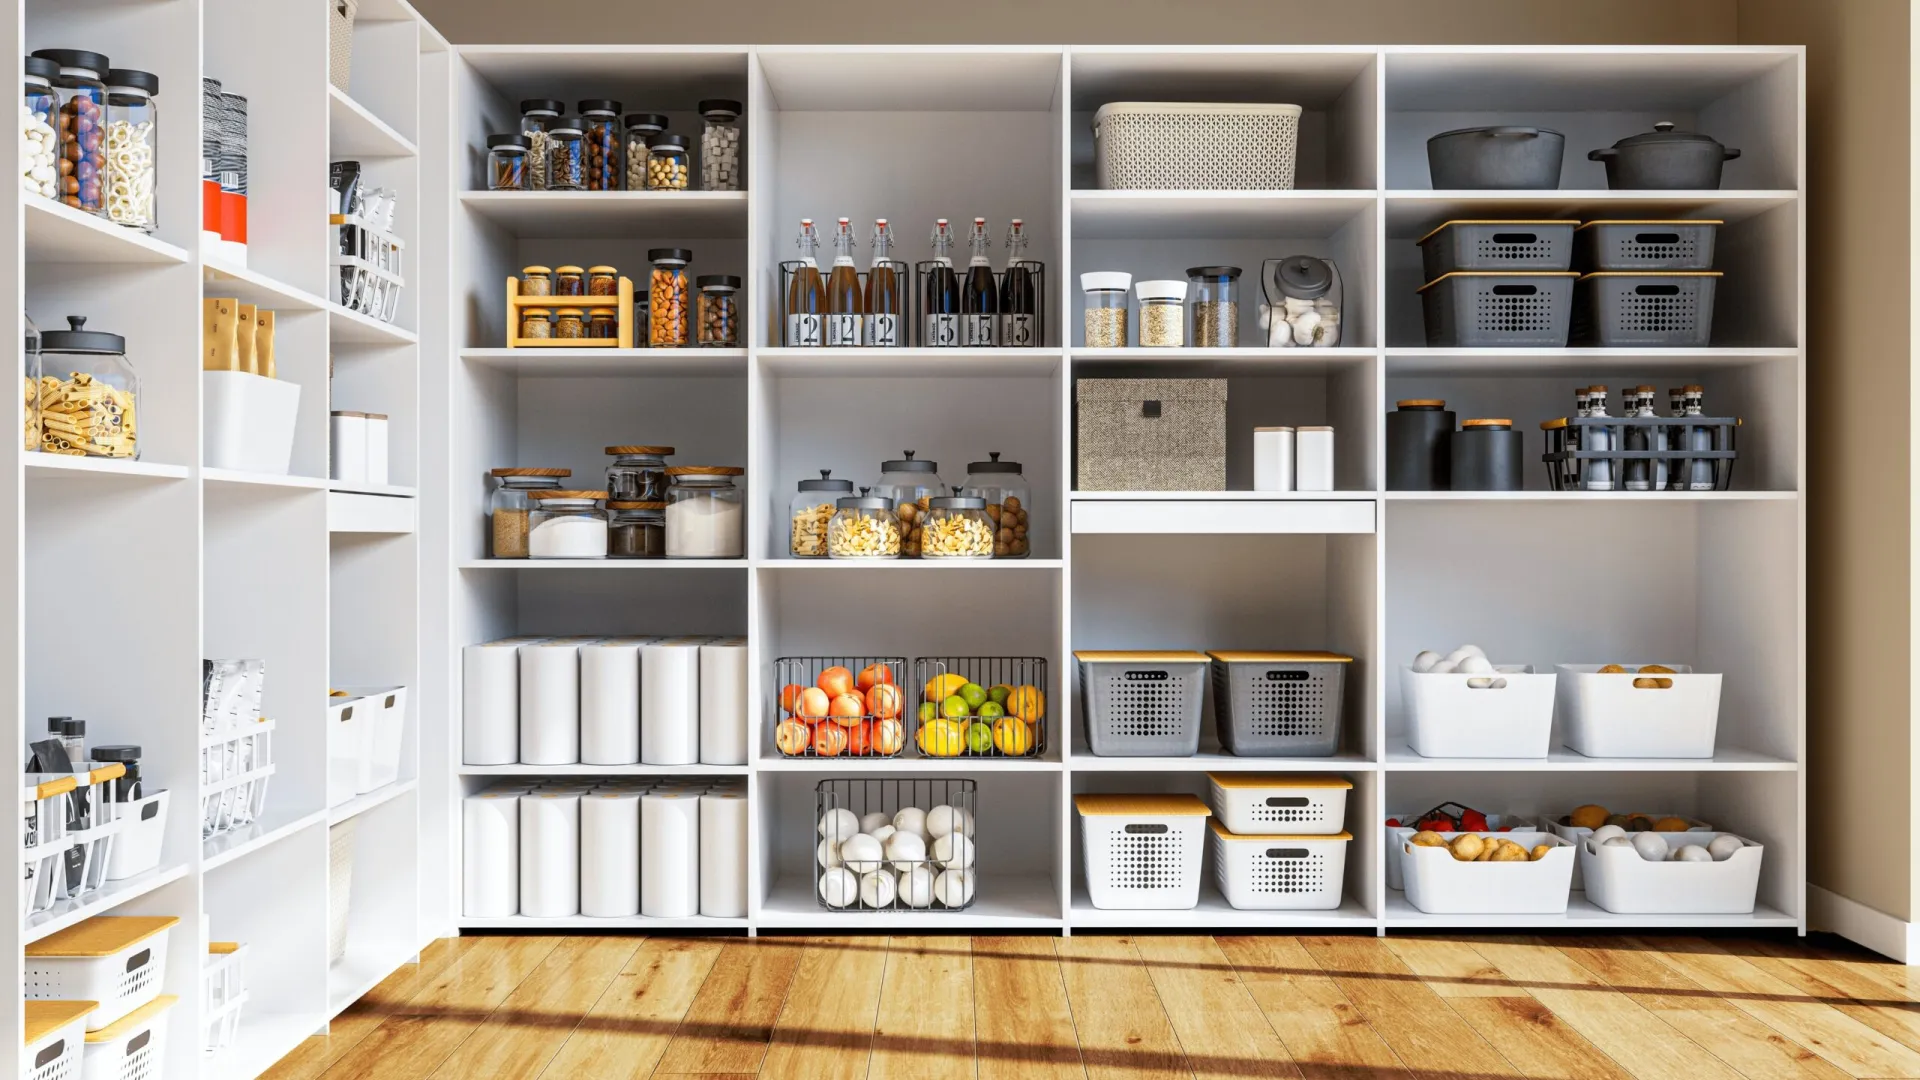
x: 638, y: 530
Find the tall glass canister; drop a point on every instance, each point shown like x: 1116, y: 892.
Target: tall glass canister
x: 133, y: 130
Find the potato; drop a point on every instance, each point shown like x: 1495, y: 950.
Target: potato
x: 1509, y: 852
x: 1657, y: 669
x: 1540, y: 852
x: 1612, y: 669
x: 1428, y: 838
x: 1467, y: 847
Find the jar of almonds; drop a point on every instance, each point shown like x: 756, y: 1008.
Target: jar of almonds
x: 957, y: 527
x: 668, y: 325
x: 863, y: 527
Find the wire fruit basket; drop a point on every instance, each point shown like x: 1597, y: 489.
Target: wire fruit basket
x: 839, y: 706
x: 912, y: 845
x: 981, y: 706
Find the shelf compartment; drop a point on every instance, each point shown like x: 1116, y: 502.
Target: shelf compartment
x: 360, y: 804
x: 56, y: 233
x: 908, y: 363
x: 573, y: 363
x: 1213, y: 759
x: 66, y: 913
x: 274, y: 826
x: 253, y: 287
x: 602, y: 770
x: 352, y: 328
x: 695, y: 215
x: 63, y: 466
x: 1213, y: 215
x: 1401, y: 758
x: 355, y: 132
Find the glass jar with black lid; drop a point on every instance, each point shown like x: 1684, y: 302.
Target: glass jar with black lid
x: 537, y: 118
x: 908, y: 480
x: 638, y: 473
x: 82, y: 84
x: 812, y: 508
x: 1007, y: 496
x: 89, y: 393
x: 600, y: 125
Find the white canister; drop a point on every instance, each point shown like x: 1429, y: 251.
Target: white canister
x: 1313, y: 459
x: 349, y: 458
x: 1273, y: 459
x: 377, y: 449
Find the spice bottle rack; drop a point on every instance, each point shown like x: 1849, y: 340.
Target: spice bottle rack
x: 621, y: 303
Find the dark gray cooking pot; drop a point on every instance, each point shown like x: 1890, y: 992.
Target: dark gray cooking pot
x: 1496, y: 157
x: 1664, y: 160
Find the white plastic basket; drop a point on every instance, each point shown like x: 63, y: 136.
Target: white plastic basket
x: 223, y: 993
x: 1620, y: 881
x: 1449, y: 717
x: 1192, y: 146
x: 56, y: 1039
x: 1398, y: 835
x: 234, y: 770
x: 116, y: 960
x: 1279, y: 873
x: 383, y: 724
x: 1259, y: 803
x: 133, y: 1047
x: 339, y: 887
x: 1576, y: 835
x: 1142, y: 851
x: 143, y: 828
x: 1439, y: 884
x: 43, y: 823
x: 1608, y: 716
x: 97, y: 839
x: 347, y: 724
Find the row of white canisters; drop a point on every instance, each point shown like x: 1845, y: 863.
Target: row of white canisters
x: 1293, y: 459
x: 94, y: 1010
x: 360, y: 448
x: 606, y: 849
x: 606, y: 701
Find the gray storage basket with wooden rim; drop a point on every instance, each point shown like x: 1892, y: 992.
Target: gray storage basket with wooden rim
x: 1151, y: 435
x: 1143, y: 703
x: 1279, y: 704
x: 340, y: 15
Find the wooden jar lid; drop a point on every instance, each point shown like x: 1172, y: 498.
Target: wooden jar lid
x: 563, y: 493
x: 624, y: 451
x: 532, y: 472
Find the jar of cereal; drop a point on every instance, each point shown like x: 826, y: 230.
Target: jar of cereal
x: 863, y: 527
x: 810, y: 511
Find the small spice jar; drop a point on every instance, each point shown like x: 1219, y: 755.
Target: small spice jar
x: 719, y: 310
x: 1105, y: 313
x: 638, y: 530
x: 810, y: 512
x: 512, y: 502
x: 667, y: 163
x: 1007, y: 494
x: 506, y: 163
x: 603, y: 281
x: 569, y: 322
x: 957, y: 527
x: 536, y: 322
x: 536, y: 281
x: 720, y: 145
x: 1163, y: 319
x: 602, y: 323
x: 863, y: 527
x: 569, y: 281
x: 567, y: 524
x: 566, y: 155
x: 537, y: 117
x: 638, y: 473
x: 641, y: 128
x: 1215, y: 306
x: 667, y: 323
x: 600, y: 121
x: 705, y: 512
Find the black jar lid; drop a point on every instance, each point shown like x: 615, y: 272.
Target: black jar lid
x: 511, y: 141
x: 599, y: 105
x: 567, y: 123
x: 1231, y: 273
x: 671, y: 142
x: 684, y: 255
x: 908, y: 464
x: 126, y: 752
x: 863, y: 502
x: 994, y: 466
x: 957, y: 502
x: 1304, y: 277
x: 133, y: 79
x: 717, y: 281
x: 42, y: 67
x: 826, y: 483
x: 77, y: 58
x: 81, y: 339
x: 535, y: 105
x: 719, y: 105
x: 645, y: 120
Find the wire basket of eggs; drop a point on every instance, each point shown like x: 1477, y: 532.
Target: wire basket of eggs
x: 1465, y: 705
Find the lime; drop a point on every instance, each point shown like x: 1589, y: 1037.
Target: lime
x: 926, y: 712
x: 979, y: 739
x: 992, y: 710
x: 955, y: 708
x: 1000, y: 693
x: 975, y: 695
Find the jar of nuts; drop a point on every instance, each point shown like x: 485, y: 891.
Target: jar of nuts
x: 957, y: 527
x: 83, y: 126
x: 600, y: 120
x: 863, y: 527
x: 910, y: 483
x: 667, y: 322
x: 566, y: 155
x: 1006, y: 492
x: 668, y: 163
x: 719, y: 311
x: 810, y: 511
x: 641, y: 128
x: 537, y: 117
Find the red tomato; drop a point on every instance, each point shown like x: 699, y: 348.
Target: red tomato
x: 829, y: 740
x: 812, y: 704
x: 792, y: 737
x: 860, y: 739
x: 883, y: 701
x: 873, y: 675
x: 847, y: 710
x: 836, y: 681
x: 789, y: 695
x: 1393, y: 823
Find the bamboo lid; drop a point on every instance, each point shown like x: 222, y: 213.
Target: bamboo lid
x: 1315, y: 427
x: 222, y: 948
x: 1652, y: 273
x: 1239, y: 656
x: 1139, y: 656
x: 1272, y: 780
x: 1140, y: 806
x: 536, y: 269
x: 623, y: 451
x: 603, y: 270
x: 46, y: 1017
x: 532, y: 472
x: 1420, y: 403
x: 134, y: 1020
x: 102, y: 935
x: 1497, y: 273
x: 1221, y: 831
x: 705, y: 470
x: 1488, y: 422
x: 566, y: 493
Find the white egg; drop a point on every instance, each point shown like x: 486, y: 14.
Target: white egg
x: 1607, y: 832
x: 861, y: 853
x: 829, y: 854
x: 838, y: 887
x: 1424, y: 662
x: 1473, y: 665
x: 1692, y: 853
x: 838, y: 824
x: 881, y: 833
x: 1616, y: 841
x: 877, y: 889
x: 1444, y: 667
x: 953, y: 851
x: 916, y: 887
x: 953, y: 887
x: 1651, y: 846
x: 1456, y: 656
x: 942, y: 820
x: 905, y: 849
x: 870, y: 822
x: 913, y: 820
x: 1722, y: 847
x: 1472, y: 650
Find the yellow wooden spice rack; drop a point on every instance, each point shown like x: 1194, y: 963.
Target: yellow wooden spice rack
x: 622, y: 305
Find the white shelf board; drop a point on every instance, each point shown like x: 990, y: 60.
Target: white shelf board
x: 908, y: 363
x: 699, y: 923
x: 912, y: 78
x: 1216, y: 761
x: 352, y: 328
x: 1001, y: 902
x: 1223, y: 496
x: 355, y: 132
x: 560, y: 363
x: 65, y: 913
x: 1580, y: 914
x: 844, y: 565
x: 393, y: 491
x: 353, y: 512
x: 1213, y: 910
x: 909, y: 761
x: 263, y: 1039
x: 1195, y: 516
x: 360, y: 970
x: 1590, y: 496
x: 1413, y: 213
x: 1459, y: 363
x: 274, y: 826
x: 253, y: 287
x: 1215, y: 215
x: 604, y: 564
x: 673, y: 77
x: 602, y: 770
x: 57, y: 233
x: 1221, y: 363
x: 360, y: 804
x: 572, y: 215
x: 57, y: 465
x: 253, y: 479
x: 1401, y: 758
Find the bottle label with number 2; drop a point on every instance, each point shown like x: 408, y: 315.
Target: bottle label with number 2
x: 883, y: 331
x: 843, y: 331
x: 803, y: 330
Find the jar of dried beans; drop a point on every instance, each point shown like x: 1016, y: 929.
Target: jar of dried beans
x: 667, y: 161
x: 641, y: 128
x: 603, y: 281
x: 600, y: 131
x: 719, y: 311
x: 667, y: 321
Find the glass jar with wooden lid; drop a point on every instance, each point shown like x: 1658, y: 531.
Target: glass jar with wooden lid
x: 638, y: 530
x: 536, y: 281
x: 638, y: 473
x: 536, y: 322
x: 706, y: 513
x: 603, y: 281
x: 510, y: 504
x: 569, y: 322
x: 567, y: 524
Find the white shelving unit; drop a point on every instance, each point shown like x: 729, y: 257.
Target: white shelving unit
x: 1715, y: 580
x: 189, y: 562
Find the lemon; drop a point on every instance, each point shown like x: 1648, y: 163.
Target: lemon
x: 1027, y: 703
x: 928, y: 711
x: 1000, y: 692
x: 941, y: 738
x: 1012, y: 736
x: 944, y: 686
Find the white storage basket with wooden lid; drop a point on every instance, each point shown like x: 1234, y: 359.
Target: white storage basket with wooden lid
x: 1280, y: 872
x: 1262, y: 803
x: 116, y: 960
x: 223, y: 993
x: 56, y: 1039
x: 133, y: 1047
x: 1195, y: 146
x: 1142, y: 851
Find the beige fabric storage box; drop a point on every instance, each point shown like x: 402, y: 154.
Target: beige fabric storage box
x: 1151, y: 435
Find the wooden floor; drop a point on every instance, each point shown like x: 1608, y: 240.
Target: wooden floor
x: 1128, y: 1008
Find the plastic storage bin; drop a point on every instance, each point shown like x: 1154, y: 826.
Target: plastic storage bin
x: 1672, y: 310
x: 1193, y: 146
x: 1610, y: 716
x: 234, y: 770
x: 96, y: 839
x: 250, y: 421
x: 1254, y: 803
x: 1449, y: 717
x: 116, y: 960
x: 347, y: 724
x: 1439, y: 884
x: 1278, y: 704
x: 1645, y: 245
x: 56, y: 1038
x: 1479, y: 309
x: 384, y: 725
x: 1279, y: 873
x: 1576, y: 835
x: 223, y: 993
x: 1142, y: 703
x: 1620, y: 881
x: 1142, y: 851
x: 1398, y: 835
x: 1497, y: 245
x: 43, y: 825
x: 133, y: 1047
x: 137, y: 849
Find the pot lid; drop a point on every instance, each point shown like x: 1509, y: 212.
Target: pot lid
x: 826, y: 483
x: 81, y: 339
x: 1497, y: 131
x: 1663, y: 133
x: 1304, y: 277
x: 994, y: 466
x: 908, y: 464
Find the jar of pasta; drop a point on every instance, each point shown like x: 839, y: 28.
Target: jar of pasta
x: 132, y: 138
x: 863, y: 527
x: 88, y: 393
x: 810, y: 511
x: 957, y: 527
x: 30, y: 384
x: 667, y: 321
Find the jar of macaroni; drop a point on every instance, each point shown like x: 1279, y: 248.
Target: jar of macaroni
x: 537, y: 117
x: 89, y: 393
x: 133, y: 131
x: 809, y: 513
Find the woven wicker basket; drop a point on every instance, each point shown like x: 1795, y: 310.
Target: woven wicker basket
x: 1151, y: 435
x: 340, y: 15
x: 1185, y: 146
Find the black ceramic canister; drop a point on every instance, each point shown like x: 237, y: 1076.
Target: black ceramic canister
x: 1419, y: 445
x: 1486, y: 456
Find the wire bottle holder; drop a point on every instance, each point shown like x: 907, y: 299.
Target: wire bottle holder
x: 864, y: 736
x: 930, y: 883
x: 1024, y: 680
x: 926, y: 338
x: 890, y: 334
x: 1686, y: 468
